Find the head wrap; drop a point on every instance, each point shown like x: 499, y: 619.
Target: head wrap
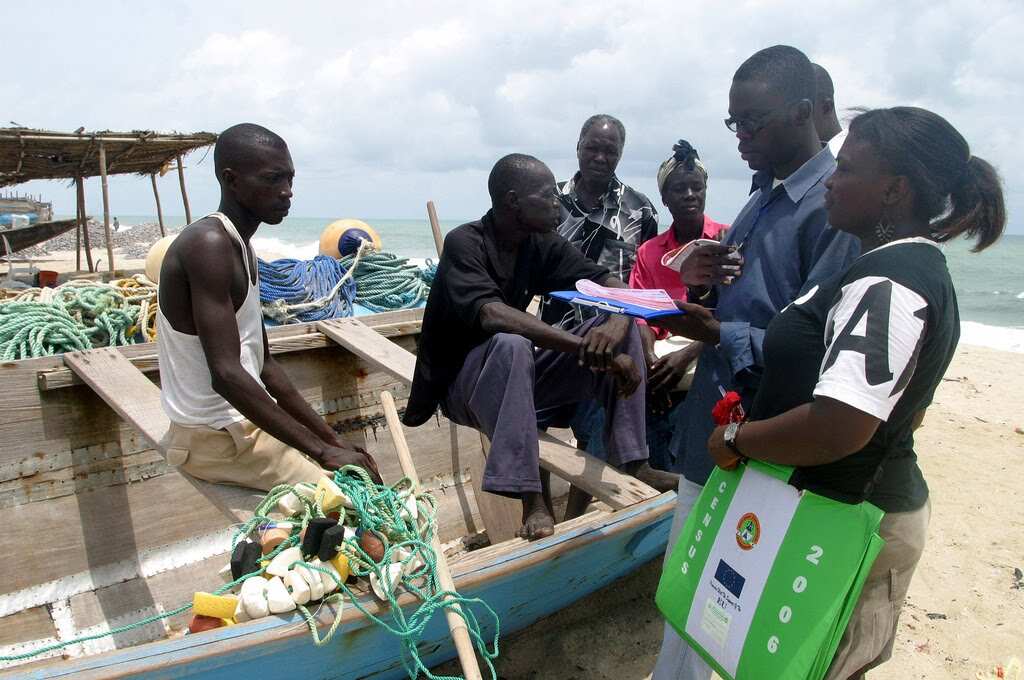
x: 683, y: 156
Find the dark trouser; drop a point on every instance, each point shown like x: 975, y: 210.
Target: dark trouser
x: 588, y: 426
x: 505, y: 381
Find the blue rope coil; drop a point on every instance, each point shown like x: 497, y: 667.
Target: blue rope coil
x: 306, y: 285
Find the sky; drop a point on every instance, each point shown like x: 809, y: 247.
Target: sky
x: 388, y: 104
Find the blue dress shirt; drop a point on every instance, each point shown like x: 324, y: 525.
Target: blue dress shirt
x: 787, y: 246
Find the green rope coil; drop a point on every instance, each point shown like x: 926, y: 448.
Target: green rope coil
x: 72, y: 317
x: 379, y: 509
x: 387, y: 282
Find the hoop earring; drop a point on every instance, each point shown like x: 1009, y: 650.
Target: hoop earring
x: 884, y: 230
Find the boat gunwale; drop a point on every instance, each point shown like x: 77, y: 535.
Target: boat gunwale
x: 467, y: 572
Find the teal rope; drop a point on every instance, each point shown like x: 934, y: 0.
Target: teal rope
x: 378, y: 509
x: 387, y: 282
x: 78, y: 317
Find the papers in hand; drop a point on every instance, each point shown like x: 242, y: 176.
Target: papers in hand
x: 643, y: 304
x: 654, y: 299
x: 675, y: 258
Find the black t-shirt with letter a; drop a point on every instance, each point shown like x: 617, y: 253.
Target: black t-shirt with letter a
x: 879, y: 338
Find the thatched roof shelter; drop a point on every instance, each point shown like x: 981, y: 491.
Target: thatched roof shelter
x: 27, y: 154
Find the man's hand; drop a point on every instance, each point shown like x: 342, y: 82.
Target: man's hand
x: 697, y: 323
x: 335, y: 457
x: 720, y: 453
x: 710, y: 264
x: 647, y: 339
x: 626, y: 373
x: 667, y: 371
x: 600, y: 343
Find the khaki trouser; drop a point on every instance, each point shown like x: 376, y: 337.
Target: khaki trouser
x: 871, y: 632
x: 240, y: 454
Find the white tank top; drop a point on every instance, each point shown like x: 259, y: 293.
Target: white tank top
x: 186, y: 388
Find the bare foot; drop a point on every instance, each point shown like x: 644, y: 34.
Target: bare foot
x: 538, y: 522
x: 577, y: 503
x: 658, y: 479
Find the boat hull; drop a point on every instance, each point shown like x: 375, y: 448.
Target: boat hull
x: 25, y: 237
x: 523, y: 583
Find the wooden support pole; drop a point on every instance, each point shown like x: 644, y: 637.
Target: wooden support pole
x: 159, y: 212
x: 435, y: 226
x: 80, y: 186
x: 184, y: 194
x: 78, y: 230
x: 106, y: 208
x: 456, y: 624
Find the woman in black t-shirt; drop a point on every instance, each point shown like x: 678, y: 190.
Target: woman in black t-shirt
x: 852, y: 364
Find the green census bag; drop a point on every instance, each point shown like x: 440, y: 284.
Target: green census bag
x: 764, y: 578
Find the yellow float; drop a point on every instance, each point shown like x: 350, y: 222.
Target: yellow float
x: 343, y: 237
x: 155, y: 257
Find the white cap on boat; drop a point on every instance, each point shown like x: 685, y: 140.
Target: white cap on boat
x: 297, y: 587
x: 392, y: 574
x: 279, y: 566
x: 330, y: 585
x: 312, y: 576
x: 278, y: 597
x: 254, y: 597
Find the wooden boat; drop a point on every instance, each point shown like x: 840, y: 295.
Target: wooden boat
x: 100, y: 532
x: 25, y: 237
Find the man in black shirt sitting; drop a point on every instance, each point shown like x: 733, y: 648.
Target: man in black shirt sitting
x: 490, y: 365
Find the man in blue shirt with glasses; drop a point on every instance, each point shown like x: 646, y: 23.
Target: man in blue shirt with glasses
x: 786, y: 247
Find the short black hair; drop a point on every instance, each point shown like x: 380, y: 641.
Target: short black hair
x: 234, y: 142
x: 508, y: 174
x: 823, y: 86
x: 784, y: 69
x: 602, y: 119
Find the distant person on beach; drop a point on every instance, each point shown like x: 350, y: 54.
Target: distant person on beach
x: 786, y: 247
x: 606, y: 221
x: 117, y: 225
x: 491, y: 366
x: 826, y: 118
x: 683, y: 183
x: 852, y: 365
x: 235, y: 415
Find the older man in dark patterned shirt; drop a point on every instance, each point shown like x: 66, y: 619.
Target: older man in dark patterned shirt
x: 607, y: 221
x: 601, y: 216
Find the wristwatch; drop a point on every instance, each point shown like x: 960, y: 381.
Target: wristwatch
x: 732, y: 430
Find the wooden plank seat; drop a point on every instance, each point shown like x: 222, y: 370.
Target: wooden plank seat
x: 600, y: 480
x: 137, y: 400
x: 502, y: 516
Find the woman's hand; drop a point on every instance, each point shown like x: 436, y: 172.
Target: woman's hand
x: 720, y: 452
x: 667, y: 371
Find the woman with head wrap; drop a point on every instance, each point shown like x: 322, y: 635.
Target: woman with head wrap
x: 683, y: 183
x: 682, y: 180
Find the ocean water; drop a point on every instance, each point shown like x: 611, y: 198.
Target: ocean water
x: 989, y: 285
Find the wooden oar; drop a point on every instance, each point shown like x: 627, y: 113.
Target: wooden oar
x: 456, y: 624
x: 435, y: 226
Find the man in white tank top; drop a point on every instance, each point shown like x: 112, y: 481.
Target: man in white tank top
x: 235, y: 415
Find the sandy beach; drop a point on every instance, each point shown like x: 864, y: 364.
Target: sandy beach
x: 966, y: 604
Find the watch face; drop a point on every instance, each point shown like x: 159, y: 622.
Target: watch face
x: 730, y: 432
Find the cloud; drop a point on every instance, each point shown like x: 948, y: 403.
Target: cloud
x: 390, y: 103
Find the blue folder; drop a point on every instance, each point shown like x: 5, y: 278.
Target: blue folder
x: 613, y: 306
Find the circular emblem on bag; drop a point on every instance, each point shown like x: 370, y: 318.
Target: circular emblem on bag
x: 748, y: 531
